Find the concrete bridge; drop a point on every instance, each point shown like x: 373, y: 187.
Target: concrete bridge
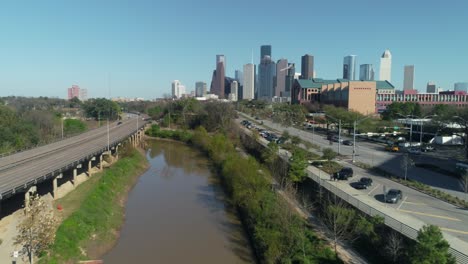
x: 21, y: 173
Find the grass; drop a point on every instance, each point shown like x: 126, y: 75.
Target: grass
x: 329, y: 167
x: 94, y: 212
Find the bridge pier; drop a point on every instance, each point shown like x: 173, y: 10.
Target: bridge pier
x: 55, y: 185
x: 27, y: 195
x: 89, y: 167
x: 100, y: 162
x: 75, y: 173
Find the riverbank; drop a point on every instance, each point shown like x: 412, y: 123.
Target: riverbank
x: 94, y: 213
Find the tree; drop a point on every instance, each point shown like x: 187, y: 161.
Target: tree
x: 397, y: 109
x: 431, y: 247
x: 406, y: 162
x: 394, y: 246
x: 329, y: 154
x: 295, y: 140
x: 297, y: 166
x: 101, y: 108
x: 36, y: 232
x: 340, y: 220
x: 73, y: 126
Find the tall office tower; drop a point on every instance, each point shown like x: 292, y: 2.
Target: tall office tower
x: 239, y: 77
x: 266, y: 79
x: 249, y: 82
x: 431, y: 87
x: 461, y: 86
x: 265, y: 50
x: 281, y: 72
x: 349, y: 67
x: 386, y: 66
x: 289, y: 80
x: 234, y: 91
x: 366, y: 72
x: 307, y: 66
x: 408, y: 81
x: 182, y: 91
x: 176, y: 89
x: 217, y: 83
x: 200, y: 89
x: 83, y: 94
x: 74, y: 91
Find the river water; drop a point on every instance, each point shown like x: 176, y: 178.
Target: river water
x: 177, y: 213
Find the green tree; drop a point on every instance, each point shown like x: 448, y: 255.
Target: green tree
x: 101, y: 108
x: 297, y: 166
x: 329, y: 154
x: 295, y: 140
x: 397, y: 109
x: 73, y: 126
x: 431, y: 247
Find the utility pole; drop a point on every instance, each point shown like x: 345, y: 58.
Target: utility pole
x: 354, y: 140
x: 339, y: 136
x: 62, y: 127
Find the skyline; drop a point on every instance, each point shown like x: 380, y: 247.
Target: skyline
x: 50, y: 46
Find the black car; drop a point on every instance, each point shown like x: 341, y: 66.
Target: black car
x: 363, y: 183
x: 120, y: 122
x: 348, y: 143
x: 393, y: 196
x: 344, y: 174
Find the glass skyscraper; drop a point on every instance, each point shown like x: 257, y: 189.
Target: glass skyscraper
x: 461, y: 86
x: 349, y: 67
x: 307, y: 66
x: 266, y: 78
x: 265, y: 50
x: 366, y: 72
x: 408, y: 81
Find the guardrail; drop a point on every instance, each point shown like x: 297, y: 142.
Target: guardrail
x: 391, y: 222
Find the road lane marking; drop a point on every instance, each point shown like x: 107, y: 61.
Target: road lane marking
x: 431, y: 215
x: 376, y: 186
x: 454, y: 230
x: 398, y: 208
x: 415, y: 203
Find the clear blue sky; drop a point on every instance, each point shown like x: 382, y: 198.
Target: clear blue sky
x: 46, y: 46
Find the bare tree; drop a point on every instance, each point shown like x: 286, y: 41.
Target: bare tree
x: 405, y: 163
x: 464, y: 181
x: 394, y: 246
x: 37, y: 228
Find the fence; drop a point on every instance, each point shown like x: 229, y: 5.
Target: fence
x: 391, y: 222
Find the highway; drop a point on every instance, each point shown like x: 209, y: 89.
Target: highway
x: 25, y: 168
x: 449, y: 218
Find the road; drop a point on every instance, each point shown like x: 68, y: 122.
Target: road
x: 34, y: 165
x: 375, y: 155
x: 449, y: 218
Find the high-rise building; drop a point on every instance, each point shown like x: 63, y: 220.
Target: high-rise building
x: 289, y: 80
x: 366, y: 72
x: 307, y: 66
x: 177, y: 89
x: 431, y: 87
x: 349, y: 67
x: 239, y: 77
x: 249, y: 82
x: 281, y: 72
x: 76, y: 91
x: 266, y: 79
x: 200, y: 89
x: 386, y: 66
x: 265, y: 50
x: 234, y: 91
x: 217, y: 83
x: 408, y: 81
x: 461, y: 86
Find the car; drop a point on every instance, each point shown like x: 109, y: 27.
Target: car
x: 348, y: 143
x: 363, y: 183
x: 392, y: 148
x: 393, y: 196
x: 272, y: 137
x: 119, y: 123
x: 337, y: 139
x: 280, y: 140
x: 344, y: 173
x: 413, y: 151
x: 427, y: 148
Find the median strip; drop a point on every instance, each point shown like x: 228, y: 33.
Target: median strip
x: 430, y: 215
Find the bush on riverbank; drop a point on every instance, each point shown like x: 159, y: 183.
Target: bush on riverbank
x: 100, y: 214
x: 155, y: 131
x: 279, y: 235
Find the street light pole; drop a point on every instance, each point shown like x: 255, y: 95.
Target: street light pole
x: 339, y: 136
x: 354, y: 140
x: 62, y: 127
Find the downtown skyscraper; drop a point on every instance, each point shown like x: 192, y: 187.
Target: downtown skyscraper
x: 248, y: 91
x: 349, y: 67
x: 265, y: 50
x: 266, y: 75
x: 217, y: 82
x: 408, y: 81
x: 366, y: 72
x: 386, y: 66
x: 200, y: 89
x: 307, y: 67
x: 281, y: 72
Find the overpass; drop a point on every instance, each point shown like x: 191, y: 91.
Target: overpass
x: 22, y: 171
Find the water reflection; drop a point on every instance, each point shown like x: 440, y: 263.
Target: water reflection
x: 177, y: 213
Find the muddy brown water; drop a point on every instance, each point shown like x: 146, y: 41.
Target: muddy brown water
x: 177, y: 213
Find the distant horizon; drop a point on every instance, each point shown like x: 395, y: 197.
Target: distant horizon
x: 144, y: 46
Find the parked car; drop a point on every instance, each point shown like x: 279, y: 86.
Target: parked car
x: 119, y: 123
x: 392, y: 148
x: 363, y: 183
x: 393, y: 196
x: 272, y: 137
x: 344, y: 173
x: 415, y: 151
x: 348, y: 143
x: 337, y: 139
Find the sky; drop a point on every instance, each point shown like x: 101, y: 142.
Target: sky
x: 137, y: 48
